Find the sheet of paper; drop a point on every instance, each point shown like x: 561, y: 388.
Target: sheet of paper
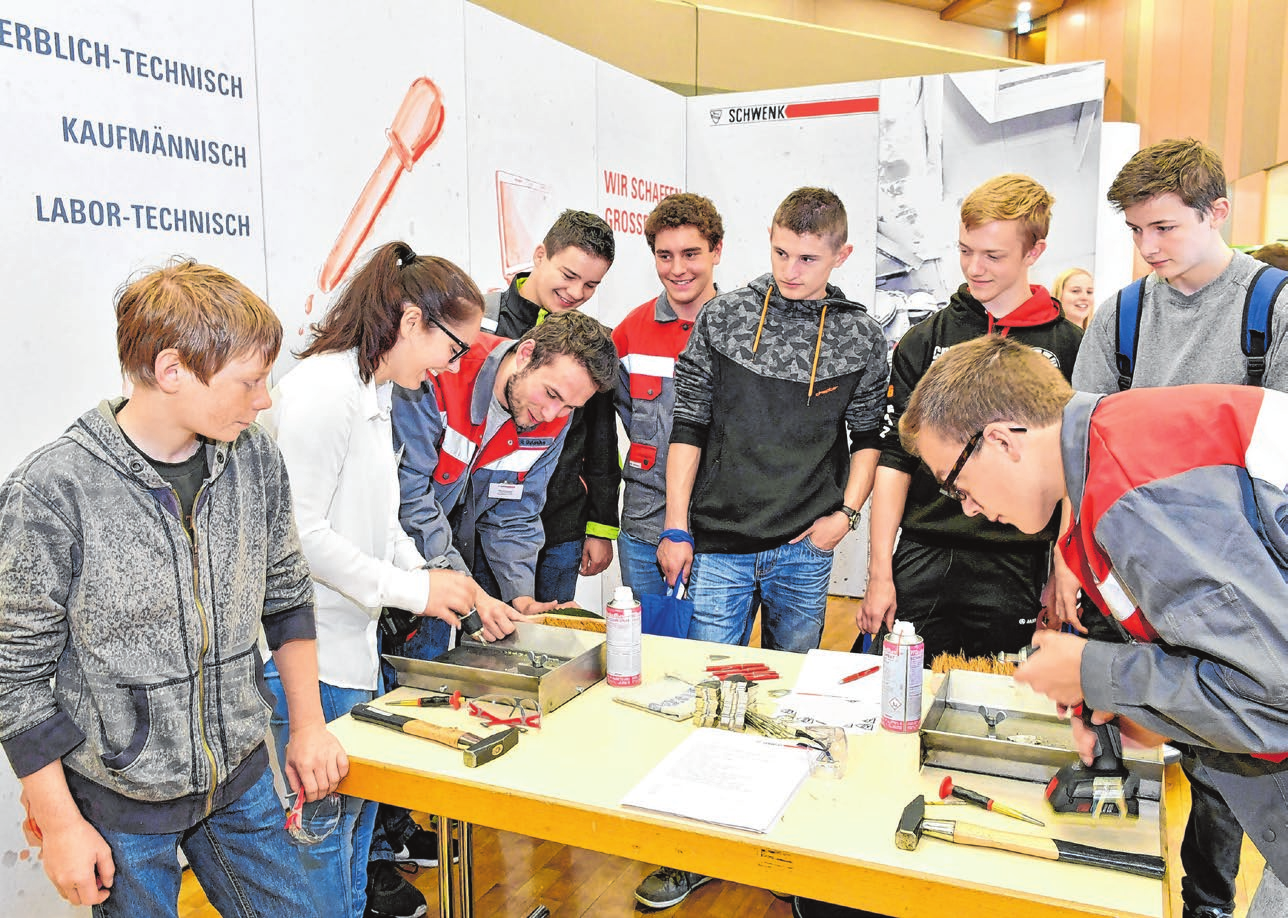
x: 823, y: 670
x: 740, y: 780
x: 852, y: 716
x: 819, y: 696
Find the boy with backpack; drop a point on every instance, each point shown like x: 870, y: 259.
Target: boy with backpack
x: 1206, y: 314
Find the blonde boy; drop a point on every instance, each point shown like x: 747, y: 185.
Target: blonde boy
x: 968, y: 585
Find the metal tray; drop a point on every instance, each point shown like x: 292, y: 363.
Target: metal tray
x: 955, y: 735
x: 550, y: 665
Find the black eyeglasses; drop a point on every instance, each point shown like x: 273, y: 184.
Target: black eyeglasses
x: 459, y: 347
x: 949, y: 488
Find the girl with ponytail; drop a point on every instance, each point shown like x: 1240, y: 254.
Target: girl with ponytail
x: 400, y: 318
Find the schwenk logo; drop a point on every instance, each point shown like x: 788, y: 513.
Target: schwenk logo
x: 785, y: 111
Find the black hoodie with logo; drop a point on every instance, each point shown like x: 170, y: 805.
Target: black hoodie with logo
x: 767, y: 388
x: 928, y: 516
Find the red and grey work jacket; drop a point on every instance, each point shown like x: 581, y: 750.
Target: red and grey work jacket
x: 490, y: 492
x: 648, y: 342
x: 1180, y: 532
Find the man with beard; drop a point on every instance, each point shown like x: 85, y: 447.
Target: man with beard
x: 580, y: 513
x: 479, y: 446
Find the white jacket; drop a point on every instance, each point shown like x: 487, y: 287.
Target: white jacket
x: 334, y: 433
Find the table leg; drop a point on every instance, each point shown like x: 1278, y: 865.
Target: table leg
x: 466, y: 877
x: 445, y: 909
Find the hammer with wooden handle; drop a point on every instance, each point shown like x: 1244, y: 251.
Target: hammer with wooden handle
x: 913, y: 824
x: 478, y: 750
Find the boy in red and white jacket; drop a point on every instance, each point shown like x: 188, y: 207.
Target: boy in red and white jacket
x: 686, y: 235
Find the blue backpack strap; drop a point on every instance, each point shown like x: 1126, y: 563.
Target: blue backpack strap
x: 1258, y: 308
x: 1128, y: 308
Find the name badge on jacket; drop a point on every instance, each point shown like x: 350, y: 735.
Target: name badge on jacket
x: 505, y: 490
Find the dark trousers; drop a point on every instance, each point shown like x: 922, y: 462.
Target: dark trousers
x: 1212, y: 846
x: 557, y: 568
x: 967, y: 601
x: 1213, y: 843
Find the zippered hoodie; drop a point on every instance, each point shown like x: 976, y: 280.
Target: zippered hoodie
x: 158, y: 706
x: 928, y: 516
x: 767, y: 387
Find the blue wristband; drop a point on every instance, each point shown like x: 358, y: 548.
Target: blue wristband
x: 677, y: 535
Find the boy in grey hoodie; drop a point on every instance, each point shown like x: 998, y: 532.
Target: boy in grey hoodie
x: 140, y: 554
x: 1172, y: 196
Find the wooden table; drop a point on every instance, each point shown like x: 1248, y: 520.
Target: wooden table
x: 835, y: 842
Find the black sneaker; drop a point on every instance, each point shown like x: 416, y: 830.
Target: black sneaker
x: 422, y: 850
x: 389, y: 895
x: 667, y: 886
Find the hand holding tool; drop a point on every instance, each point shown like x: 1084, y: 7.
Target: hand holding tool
x: 478, y: 750
x: 948, y: 789
x: 913, y: 824
x: 472, y: 624
x: 1103, y: 788
x: 1019, y: 656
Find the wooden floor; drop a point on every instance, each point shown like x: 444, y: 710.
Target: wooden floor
x: 513, y: 873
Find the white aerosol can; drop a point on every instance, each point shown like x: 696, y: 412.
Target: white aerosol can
x: 623, y: 638
x: 902, y: 662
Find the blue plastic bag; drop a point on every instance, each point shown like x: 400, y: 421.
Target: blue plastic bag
x: 667, y: 615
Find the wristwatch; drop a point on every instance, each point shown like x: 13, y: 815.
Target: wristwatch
x: 852, y: 515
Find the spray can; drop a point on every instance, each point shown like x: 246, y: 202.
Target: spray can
x: 623, y: 619
x: 901, y: 672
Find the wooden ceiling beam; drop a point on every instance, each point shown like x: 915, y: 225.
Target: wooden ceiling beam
x: 960, y: 8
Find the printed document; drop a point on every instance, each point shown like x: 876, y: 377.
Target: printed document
x: 740, y: 780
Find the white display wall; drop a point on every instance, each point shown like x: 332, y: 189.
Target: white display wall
x: 256, y: 136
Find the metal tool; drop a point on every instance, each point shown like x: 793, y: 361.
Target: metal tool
x: 948, y: 789
x: 1019, y: 656
x: 478, y: 750
x: 913, y: 824
x: 1105, y: 787
x: 992, y: 719
x: 429, y: 701
x: 472, y: 624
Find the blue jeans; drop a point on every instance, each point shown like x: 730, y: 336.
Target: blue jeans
x: 394, y: 825
x: 557, y: 567
x: 240, y: 853
x: 788, y: 583
x: 337, y: 865
x: 638, y: 560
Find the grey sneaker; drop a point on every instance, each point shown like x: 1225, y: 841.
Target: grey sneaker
x: 667, y: 886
